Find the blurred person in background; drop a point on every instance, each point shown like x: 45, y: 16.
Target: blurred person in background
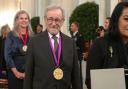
x: 5, y: 29
x: 100, y: 31
x: 39, y: 28
x: 79, y: 40
x: 106, y: 23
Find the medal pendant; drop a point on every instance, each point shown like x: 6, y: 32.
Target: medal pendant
x: 24, y: 48
x: 58, y: 74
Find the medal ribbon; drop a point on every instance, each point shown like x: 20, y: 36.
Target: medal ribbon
x: 24, y: 39
x: 57, y: 59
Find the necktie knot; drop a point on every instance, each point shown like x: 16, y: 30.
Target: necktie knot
x: 55, y: 42
x: 54, y: 37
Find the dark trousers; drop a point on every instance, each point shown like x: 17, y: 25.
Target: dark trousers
x: 13, y: 82
x: 81, y: 78
x: 126, y: 81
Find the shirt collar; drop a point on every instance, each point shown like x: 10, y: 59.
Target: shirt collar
x: 57, y: 35
x: 75, y: 33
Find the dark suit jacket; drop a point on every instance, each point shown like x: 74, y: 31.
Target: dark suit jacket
x: 2, y: 59
x: 106, y: 53
x: 40, y: 64
x: 79, y: 44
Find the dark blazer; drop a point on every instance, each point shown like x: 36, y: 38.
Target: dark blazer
x: 40, y: 64
x: 14, y: 55
x: 2, y: 59
x: 106, y: 53
x: 79, y: 39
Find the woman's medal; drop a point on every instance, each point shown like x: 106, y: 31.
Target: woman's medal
x: 24, y: 48
x: 24, y: 40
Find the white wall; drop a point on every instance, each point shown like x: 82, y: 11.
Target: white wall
x: 7, y: 11
x: 113, y: 4
x: 29, y: 6
x: 101, y: 12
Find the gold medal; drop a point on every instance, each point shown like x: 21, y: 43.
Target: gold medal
x: 25, y: 48
x: 58, y: 73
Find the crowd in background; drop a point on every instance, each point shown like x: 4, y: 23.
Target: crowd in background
x: 23, y: 53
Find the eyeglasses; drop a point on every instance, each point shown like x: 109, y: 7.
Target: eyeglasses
x: 57, y: 20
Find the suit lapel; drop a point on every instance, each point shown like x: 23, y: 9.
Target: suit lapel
x: 63, y: 47
x: 47, y: 49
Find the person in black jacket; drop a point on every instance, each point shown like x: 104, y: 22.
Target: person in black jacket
x: 111, y: 51
x: 79, y: 40
x: 50, y: 66
x: 5, y: 29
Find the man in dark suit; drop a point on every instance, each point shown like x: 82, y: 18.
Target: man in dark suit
x: 78, y: 39
x: 79, y: 44
x: 52, y: 61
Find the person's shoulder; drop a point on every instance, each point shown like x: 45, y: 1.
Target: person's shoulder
x: 79, y: 35
x: 100, y: 41
x: 65, y: 36
x: 10, y: 35
x: 38, y: 36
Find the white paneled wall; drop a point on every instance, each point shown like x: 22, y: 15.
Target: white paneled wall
x: 101, y: 12
x: 29, y: 6
x: 7, y: 11
x: 113, y: 4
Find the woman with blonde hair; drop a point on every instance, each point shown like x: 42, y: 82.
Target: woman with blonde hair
x: 5, y: 29
x: 16, y: 48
